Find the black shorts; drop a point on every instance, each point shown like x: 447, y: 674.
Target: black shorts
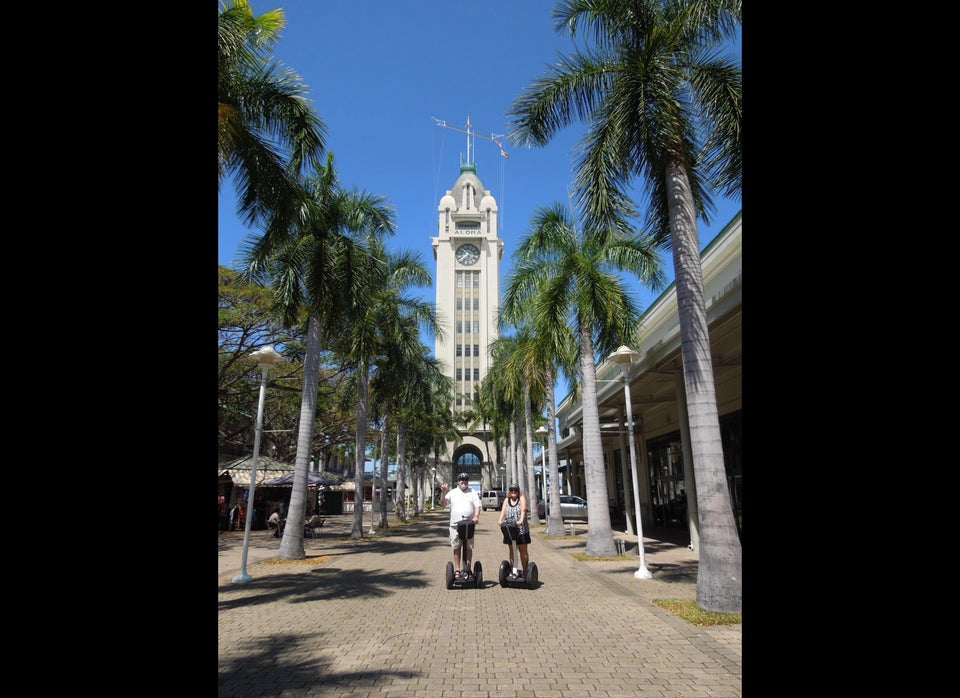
x: 522, y: 539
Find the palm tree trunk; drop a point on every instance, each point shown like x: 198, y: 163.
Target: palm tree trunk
x: 291, y: 545
x: 554, y: 520
x: 719, y: 577
x: 626, y: 473
x: 533, y: 493
x: 361, y: 450
x: 599, y: 532
x: 512, y: 455
x: 399, y: 504
x: 384, y: 466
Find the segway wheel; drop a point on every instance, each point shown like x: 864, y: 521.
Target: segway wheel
x: 478, y: 573
x: 504, y: 571
x: 449, y: 575
x: 531, y: 575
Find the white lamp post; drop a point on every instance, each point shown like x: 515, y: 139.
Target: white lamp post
x: 624, y: 356
x: 266, y: 358
x: 502, y: 482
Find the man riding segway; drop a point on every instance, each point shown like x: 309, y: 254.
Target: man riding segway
x: 465, y: 510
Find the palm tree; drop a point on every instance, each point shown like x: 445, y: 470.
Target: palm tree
x: 523, y: 365
x: 442, y: 426
x: 268, y: 132
x: 414, y: 397
x: 663, y: 105
x: 493, y: 405
x: 384, y: 335
x: 571, y: 283
x: 549, y: 353
x: 476, y: 419
x: 403, y: 356
x: 326, y: 265
x: 505, y: 400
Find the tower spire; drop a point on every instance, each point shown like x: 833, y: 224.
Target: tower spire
x: 469, y: 142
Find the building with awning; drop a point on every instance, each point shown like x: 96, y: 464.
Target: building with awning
x: 238, y: 470
x: 272, y: 491
x: 233, y: 484
x: 335, y: 492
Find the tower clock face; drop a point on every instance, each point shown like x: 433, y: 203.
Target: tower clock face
x: 467, y: 254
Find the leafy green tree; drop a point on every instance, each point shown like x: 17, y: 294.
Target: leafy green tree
x: 571, y: 283
x: 268, y: 133
x: 247, y: 321
x: 664, y: 105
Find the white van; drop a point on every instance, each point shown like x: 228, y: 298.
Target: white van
x: 492, y: 499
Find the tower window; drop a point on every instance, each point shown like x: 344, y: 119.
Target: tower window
x: 476, y: 350
x: 460, y: 349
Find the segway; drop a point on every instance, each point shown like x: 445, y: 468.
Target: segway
x: 466, y: 580
x: 513, y: 577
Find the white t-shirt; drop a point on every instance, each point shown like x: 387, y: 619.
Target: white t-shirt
x: 462, y: 503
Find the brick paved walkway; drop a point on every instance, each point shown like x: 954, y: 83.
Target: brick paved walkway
x: 373, y: 617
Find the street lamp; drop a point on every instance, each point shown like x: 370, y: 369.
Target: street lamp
x: 542, y: 432
x: 624, y: 356
x: 502, y: 483
x: 266, y: 358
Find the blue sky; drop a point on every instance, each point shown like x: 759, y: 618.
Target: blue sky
x: 379, y: 72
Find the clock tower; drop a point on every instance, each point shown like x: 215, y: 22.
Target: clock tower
x: 468, y: 250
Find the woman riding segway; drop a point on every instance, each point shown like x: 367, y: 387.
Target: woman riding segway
x: 516, y: 535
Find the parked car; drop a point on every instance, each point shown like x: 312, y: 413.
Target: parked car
x: 492, y: 499
x: 571, y: 507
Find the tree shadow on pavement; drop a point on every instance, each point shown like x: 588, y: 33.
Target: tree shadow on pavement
x: 262, y: 664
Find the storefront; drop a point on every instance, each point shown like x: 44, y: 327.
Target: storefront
x: 233, y: 488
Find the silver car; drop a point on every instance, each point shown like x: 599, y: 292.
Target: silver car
x: 571, y: 507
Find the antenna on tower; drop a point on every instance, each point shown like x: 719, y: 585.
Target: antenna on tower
x: 470, y: 136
